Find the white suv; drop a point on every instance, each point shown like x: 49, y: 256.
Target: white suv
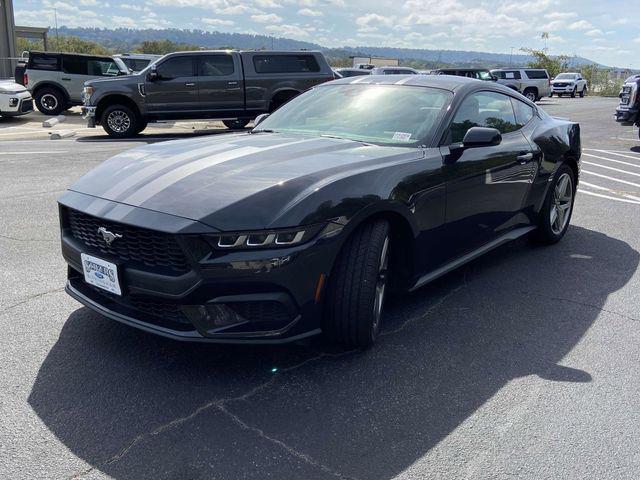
x: 569, y: 83
x: 14, y: 99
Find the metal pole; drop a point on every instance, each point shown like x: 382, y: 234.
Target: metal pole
x: 55, y: 14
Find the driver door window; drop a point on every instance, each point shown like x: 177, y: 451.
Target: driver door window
x: 176, y: 67
x: 483, y: 109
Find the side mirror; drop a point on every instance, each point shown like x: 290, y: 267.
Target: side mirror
x: 481, y: 137
x: 259, y: 119
x: 152, y: 76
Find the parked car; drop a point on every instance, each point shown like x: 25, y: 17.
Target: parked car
x: 533, y: 83
x: 352, y: 72
x: 303, y: 224
x: 569, y: 83
x: 478, y: 73
x: 628, y: 110
x: 136, y: 62
x: 394, y: 71
x: 233, y: 86
x: 56, y: 80
x: 14, y: 99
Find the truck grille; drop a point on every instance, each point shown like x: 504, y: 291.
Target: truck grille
x: 137, y: 246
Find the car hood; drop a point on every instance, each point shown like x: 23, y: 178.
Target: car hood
x: 132, y: 79
x: 234, y: 181
x: 553, y: 82
x: 11, y: 86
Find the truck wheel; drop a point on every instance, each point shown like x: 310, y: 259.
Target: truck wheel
x: 531, y: 94
x: 573, y: 94
x: 119, y: 121
x: 583, y: 91
x: 237, y: 124
x: 50, y: 101
x: 355, y: 296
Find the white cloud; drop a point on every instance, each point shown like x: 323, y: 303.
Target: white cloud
x: 307, y: 12
x: 560, y: 15
x: 288, y: 31
x: 266, y: 18
x: 126, y: 6
x: 126, y: 22
x: 216, y: 22
x: 596, y: 32
x: 580, y: 25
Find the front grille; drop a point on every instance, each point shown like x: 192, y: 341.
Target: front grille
x: 165, y: 311
x: 27, y: 106
x: 560, y: 84
x: 137, y: 246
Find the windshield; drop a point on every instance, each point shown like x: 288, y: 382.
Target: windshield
x: 380, y: 114
x: 566, y: 76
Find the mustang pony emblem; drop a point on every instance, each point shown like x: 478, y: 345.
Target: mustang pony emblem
x: 108, y: 236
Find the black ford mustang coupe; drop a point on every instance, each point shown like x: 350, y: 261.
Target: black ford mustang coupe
x: 302, y: 225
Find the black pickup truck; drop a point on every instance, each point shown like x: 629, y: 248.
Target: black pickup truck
x: 232, y: 86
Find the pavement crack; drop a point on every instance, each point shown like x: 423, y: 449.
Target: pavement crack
x: 584, y: 304
x: 292, y: 451
x: 29, y: 299
x: 16, y: 239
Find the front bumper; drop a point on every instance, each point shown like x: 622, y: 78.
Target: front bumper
x: 565, y: 89
x: 271, y: 294
x: 89, y: 114
x: 16, y: 105
x: 626, y: 116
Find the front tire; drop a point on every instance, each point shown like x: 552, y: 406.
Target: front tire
x: 237, y: 124
x: 355, y: 297
x: 582, y: 92
x: 573, y: 94
x: 557, y: 208
x: 120, y: 121
x: 50, y: 101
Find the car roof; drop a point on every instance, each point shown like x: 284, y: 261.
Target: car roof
x: 35, y: 52
x: 447, y: 82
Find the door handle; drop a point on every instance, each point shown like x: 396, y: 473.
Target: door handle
x: 232, y: 83
x: 65, y: 79
x: 525, y: 157
x: 189, y: 84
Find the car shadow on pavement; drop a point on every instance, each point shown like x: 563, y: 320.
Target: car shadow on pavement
x: 134, y: 406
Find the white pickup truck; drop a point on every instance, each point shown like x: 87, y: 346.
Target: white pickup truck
x: 533, y: 83
x: 569, y: 84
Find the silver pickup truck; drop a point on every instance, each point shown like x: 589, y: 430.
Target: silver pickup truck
x: 533, y: 83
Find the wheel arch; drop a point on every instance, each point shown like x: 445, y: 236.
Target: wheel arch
x: 282, y: 96
x: 116, y: 99
x: 50, y: 84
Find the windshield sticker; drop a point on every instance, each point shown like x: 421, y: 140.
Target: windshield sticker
x: 402, y: 136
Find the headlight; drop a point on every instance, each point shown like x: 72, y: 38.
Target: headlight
x: 11, y: 92
x: 87, y: 92
x: 280, y: 238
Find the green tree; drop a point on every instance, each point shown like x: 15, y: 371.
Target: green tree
x: 553, y: 64
x: 161, y: 47
x: 26, y: 45
x: 69, y: 44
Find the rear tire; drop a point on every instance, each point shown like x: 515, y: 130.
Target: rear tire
x: 237, y: 124
x: 120, y: 121
x: 357, y: 287
x: 557, y: 208
x: 50, y: 101
x: 531, y: 94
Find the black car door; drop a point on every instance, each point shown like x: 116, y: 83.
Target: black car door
x: 174, y: 92
x: 486, y: 186
x: 220, y: 83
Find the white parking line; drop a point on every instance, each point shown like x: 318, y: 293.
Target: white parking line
x: 635, y: 174
x: 611, y: 178
x: 33, y: 153
x: 616, y: 152
x: 612, y: 160
x: 608, y: 190
x: 586, y: 192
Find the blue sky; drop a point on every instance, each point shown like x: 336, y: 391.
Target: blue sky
x: 602, y: 31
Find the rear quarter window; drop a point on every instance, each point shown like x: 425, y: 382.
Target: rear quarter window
x: 44, y: 62
x: 285, y: 64
x: 536, y: 74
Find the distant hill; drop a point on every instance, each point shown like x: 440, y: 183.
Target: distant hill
x: 125, y: 39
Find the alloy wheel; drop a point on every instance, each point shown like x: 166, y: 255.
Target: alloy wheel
x: 561, y: 203
x: 49, y: 101
x: 381, y: 285
x: 119, y: 121
x: 531, y: 96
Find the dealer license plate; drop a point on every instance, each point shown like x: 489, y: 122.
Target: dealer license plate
x: 100, y: 273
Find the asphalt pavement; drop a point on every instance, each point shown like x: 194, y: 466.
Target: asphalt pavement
x: 522, y: 364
